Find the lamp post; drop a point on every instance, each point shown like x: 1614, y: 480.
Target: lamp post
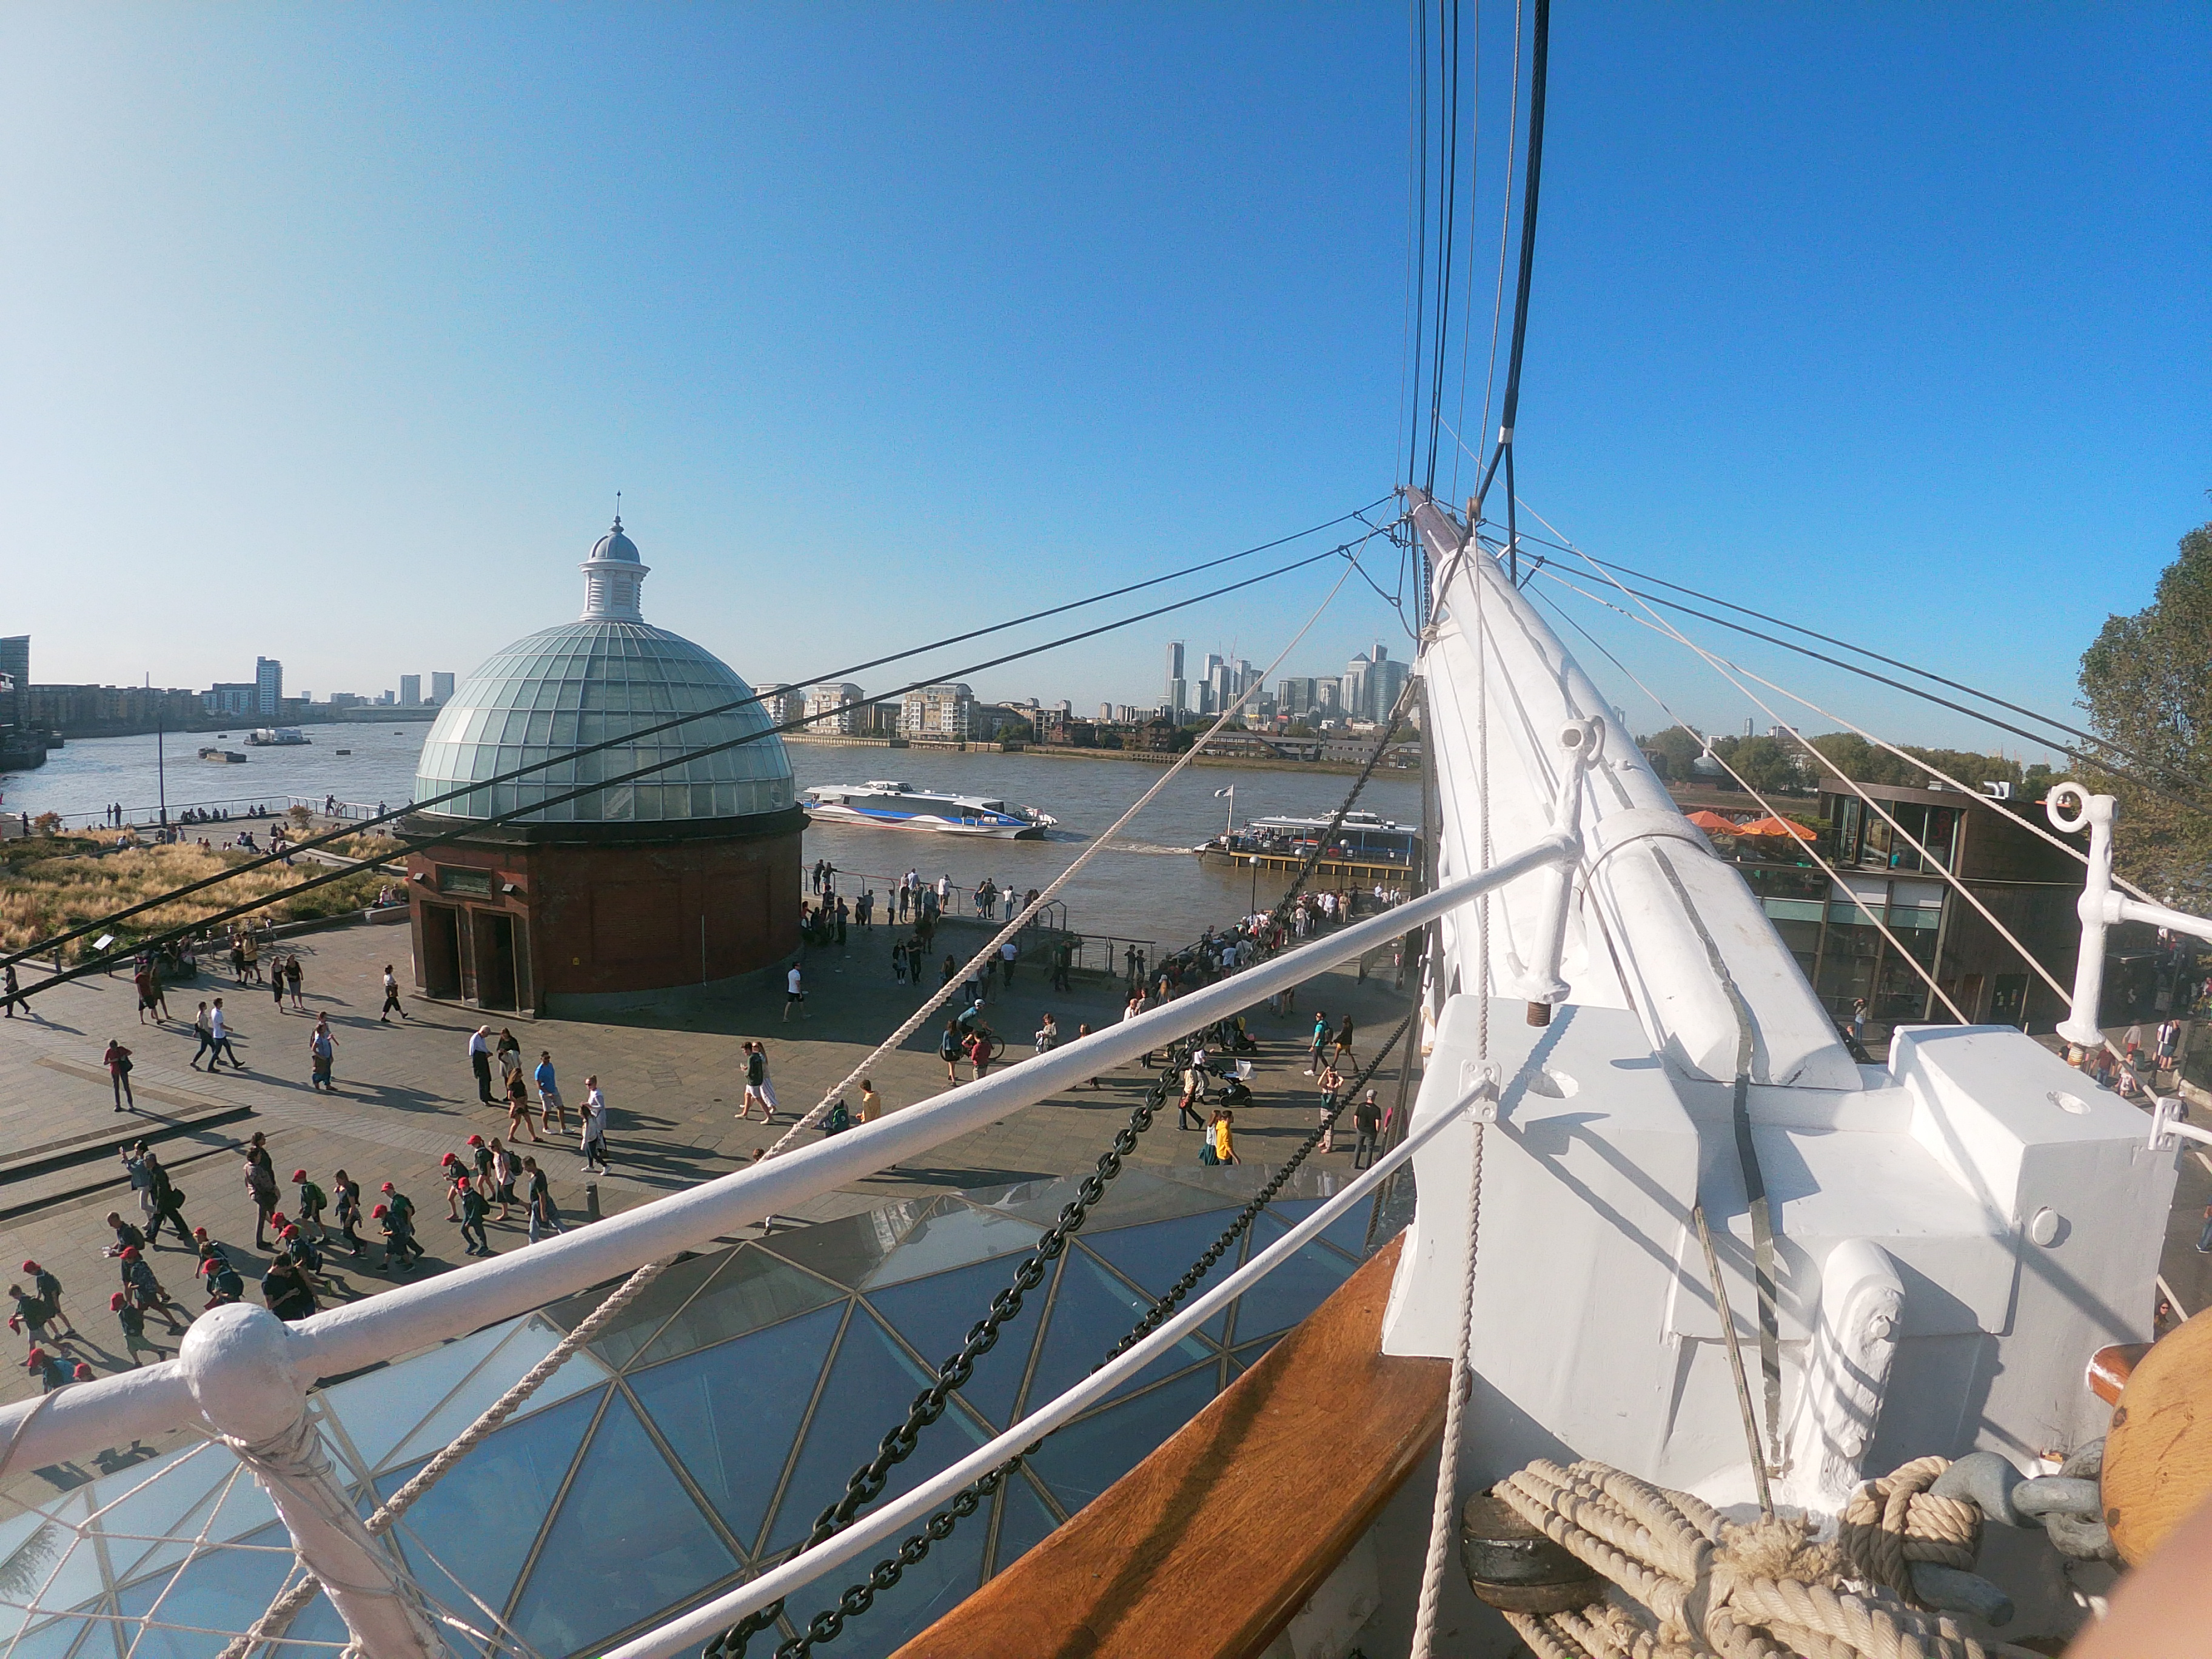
x: 1253, y: 909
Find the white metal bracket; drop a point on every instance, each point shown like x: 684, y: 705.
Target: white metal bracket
x: 1539, y: 982
x: 1478, y: 1090
x: 2072, y: 808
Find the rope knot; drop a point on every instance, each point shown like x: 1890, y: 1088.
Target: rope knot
x: 1894, y: 1521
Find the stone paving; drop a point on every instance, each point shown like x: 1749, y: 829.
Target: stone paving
x: 405, y: 1095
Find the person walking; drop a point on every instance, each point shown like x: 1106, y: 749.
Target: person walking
x: 391, y: 998
x: 1193, y: 1090
x: 948, y: 1050
x: 145, y: 1291
x: 219, y: 1043
x: 148, y: 987
x: 398, y: 1214
x: 286, y: 1292
x: 48, y: 1289
x: 545, y: 1219
x: 507, y: 1051
x: 978, y: 1048
x: 594, y: 1128
x: 1367, y: 1120
x: 134, y: 1328
x: 1224, y: 1146
x: 277, y: 982
x: 480, y: 1063
x: 308, y: 1204
x: 293, y: 976
x: 1008, y: 954
x: 794, y: 994
x: 871, y: 1103
x: 550, y: 1104
x: 518, y: 1107
x: 758, y: 1089
x: 1047, y: 1035
x: 474, y: 1209
x: 200, y: 1030
x: 1344, y: 1057
x: 1320, y: 1045
x: 348, y: 1210
x: 1063, y: 958
x: 167, y: 1201
x: 118, y: 1062
x: 322, y: 1054
x: 1331, y: 1082
x: 260, y: 1176
x: 505, y: 1166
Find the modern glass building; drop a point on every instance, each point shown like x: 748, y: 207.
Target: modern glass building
x: 695, y: 1441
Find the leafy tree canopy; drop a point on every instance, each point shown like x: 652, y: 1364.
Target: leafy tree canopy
x: 2147, y: 684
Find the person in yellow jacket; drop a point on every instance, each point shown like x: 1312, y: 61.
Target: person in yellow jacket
x: 1219, y: 1131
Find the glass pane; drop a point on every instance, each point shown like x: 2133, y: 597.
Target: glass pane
x: 641, y: 1321
x: 1092, y: 1311
x: 1024, y: 1521
x: 51, y: 1640
x: 1293, y: 1291
x: 925, y: 1593
x: 952, y: 1237
x: 1087, y: 1457
x: 871, y: 1382
x: 318, y: 1621
x: 220, y: 1592
x: 731, y: 1411
x: 531, y: 1343
x: 483, y: 1517
x: 752, y: 1289
x: 935, y: 1314
x: 1348, y: 1232
x: 1157, y: 1254
x: 628, y: 1543
x: 378, y: 1411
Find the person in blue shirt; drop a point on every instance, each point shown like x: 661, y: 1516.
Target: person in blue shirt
x: 550, y: 1104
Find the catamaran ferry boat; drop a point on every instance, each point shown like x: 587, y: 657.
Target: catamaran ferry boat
x: 278, y: 737
x: 890, y: 805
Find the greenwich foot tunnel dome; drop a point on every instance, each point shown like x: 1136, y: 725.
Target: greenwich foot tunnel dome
x: 685, y: 877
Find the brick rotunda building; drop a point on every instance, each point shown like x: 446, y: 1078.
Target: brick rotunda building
x: 684, y: 879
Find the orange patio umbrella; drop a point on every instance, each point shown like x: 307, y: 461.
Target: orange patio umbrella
x: 1712, y: 822
x: 1778, y: 826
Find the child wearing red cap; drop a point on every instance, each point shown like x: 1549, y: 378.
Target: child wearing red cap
x: 50, y: 1292
x: 47, y: 1367
x: 312, y: 1200
x: 134, y: 1327
x: 349, y: 1210
x: 144, y: 1290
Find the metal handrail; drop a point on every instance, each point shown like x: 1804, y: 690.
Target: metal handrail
x: 79, y: 1420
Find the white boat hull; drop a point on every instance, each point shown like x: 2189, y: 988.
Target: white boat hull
x: 830, y: 812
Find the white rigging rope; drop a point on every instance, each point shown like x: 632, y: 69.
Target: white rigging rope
x: 1835, y: 880
x: 1722, y: 667
x: 982, y: 958
x: 1443, y: 1509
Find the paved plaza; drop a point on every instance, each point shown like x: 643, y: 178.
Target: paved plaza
x: 405, y: 1095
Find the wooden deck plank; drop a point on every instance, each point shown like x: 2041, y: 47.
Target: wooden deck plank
x: 1211, y: 1544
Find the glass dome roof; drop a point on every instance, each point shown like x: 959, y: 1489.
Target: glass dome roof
x: 586, y: 681
x: 580, y: 684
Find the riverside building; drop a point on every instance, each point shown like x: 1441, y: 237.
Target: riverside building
x: 686, y: 878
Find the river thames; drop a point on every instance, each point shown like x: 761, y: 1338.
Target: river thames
x: 1146, y: 886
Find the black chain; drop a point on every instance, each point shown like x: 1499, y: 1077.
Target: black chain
x: 826, y: 1626
x: 867, y: 1483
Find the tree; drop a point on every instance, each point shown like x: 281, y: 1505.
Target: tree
x: 1770, y: 765
x: 2147, y: 684
x: 1680, y: 745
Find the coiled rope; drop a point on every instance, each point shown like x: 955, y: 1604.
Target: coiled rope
x: 1708, y: 1588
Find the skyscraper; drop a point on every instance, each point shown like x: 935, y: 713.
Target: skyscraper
x: 267, y: 686
x: 1178, y: 689
x: 410, y: 689
x: 441, y: 688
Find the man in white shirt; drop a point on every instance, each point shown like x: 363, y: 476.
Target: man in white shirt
x: 219, y: 1039
x: 480, y: 1063
x: 794, y: 995
x: 595, y: 1125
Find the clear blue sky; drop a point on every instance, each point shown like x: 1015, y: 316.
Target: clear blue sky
x: 331, y: 332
